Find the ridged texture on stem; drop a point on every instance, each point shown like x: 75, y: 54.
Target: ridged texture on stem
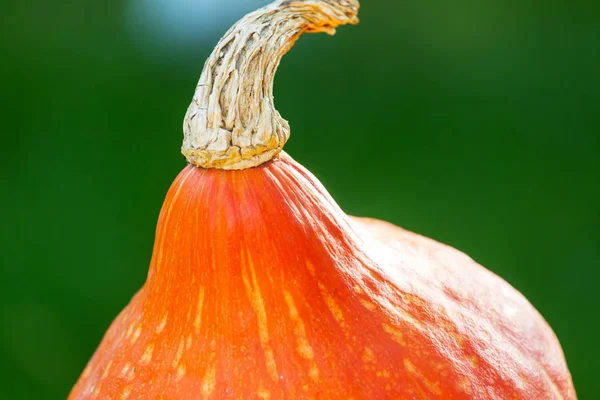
x: 260, y: 287
x: 232, y: 122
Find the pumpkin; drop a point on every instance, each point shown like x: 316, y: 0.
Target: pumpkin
x: 260, y: 287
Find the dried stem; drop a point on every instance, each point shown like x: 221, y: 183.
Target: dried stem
x: 232, y: 122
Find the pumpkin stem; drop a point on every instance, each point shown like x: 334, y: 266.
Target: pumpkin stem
x: 232, y: 122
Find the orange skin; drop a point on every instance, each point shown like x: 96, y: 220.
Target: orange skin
x: 260, y: 287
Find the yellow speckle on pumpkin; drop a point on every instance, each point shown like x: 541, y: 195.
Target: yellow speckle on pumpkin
x: 147, y: 356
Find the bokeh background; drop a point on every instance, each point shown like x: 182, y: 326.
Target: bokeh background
x: 476, y: 123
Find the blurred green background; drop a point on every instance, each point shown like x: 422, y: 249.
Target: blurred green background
x: 476, y: 123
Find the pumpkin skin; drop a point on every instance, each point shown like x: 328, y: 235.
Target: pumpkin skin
x: 260, y: 287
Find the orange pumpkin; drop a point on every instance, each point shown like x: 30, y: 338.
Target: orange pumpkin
x: 260, y: 287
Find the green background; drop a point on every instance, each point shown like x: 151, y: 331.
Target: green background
x: 476, y: 123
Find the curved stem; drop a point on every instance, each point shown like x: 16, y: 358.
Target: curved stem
x: 232, y: 122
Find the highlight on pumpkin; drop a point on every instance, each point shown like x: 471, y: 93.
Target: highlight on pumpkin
x: 261, y: 287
